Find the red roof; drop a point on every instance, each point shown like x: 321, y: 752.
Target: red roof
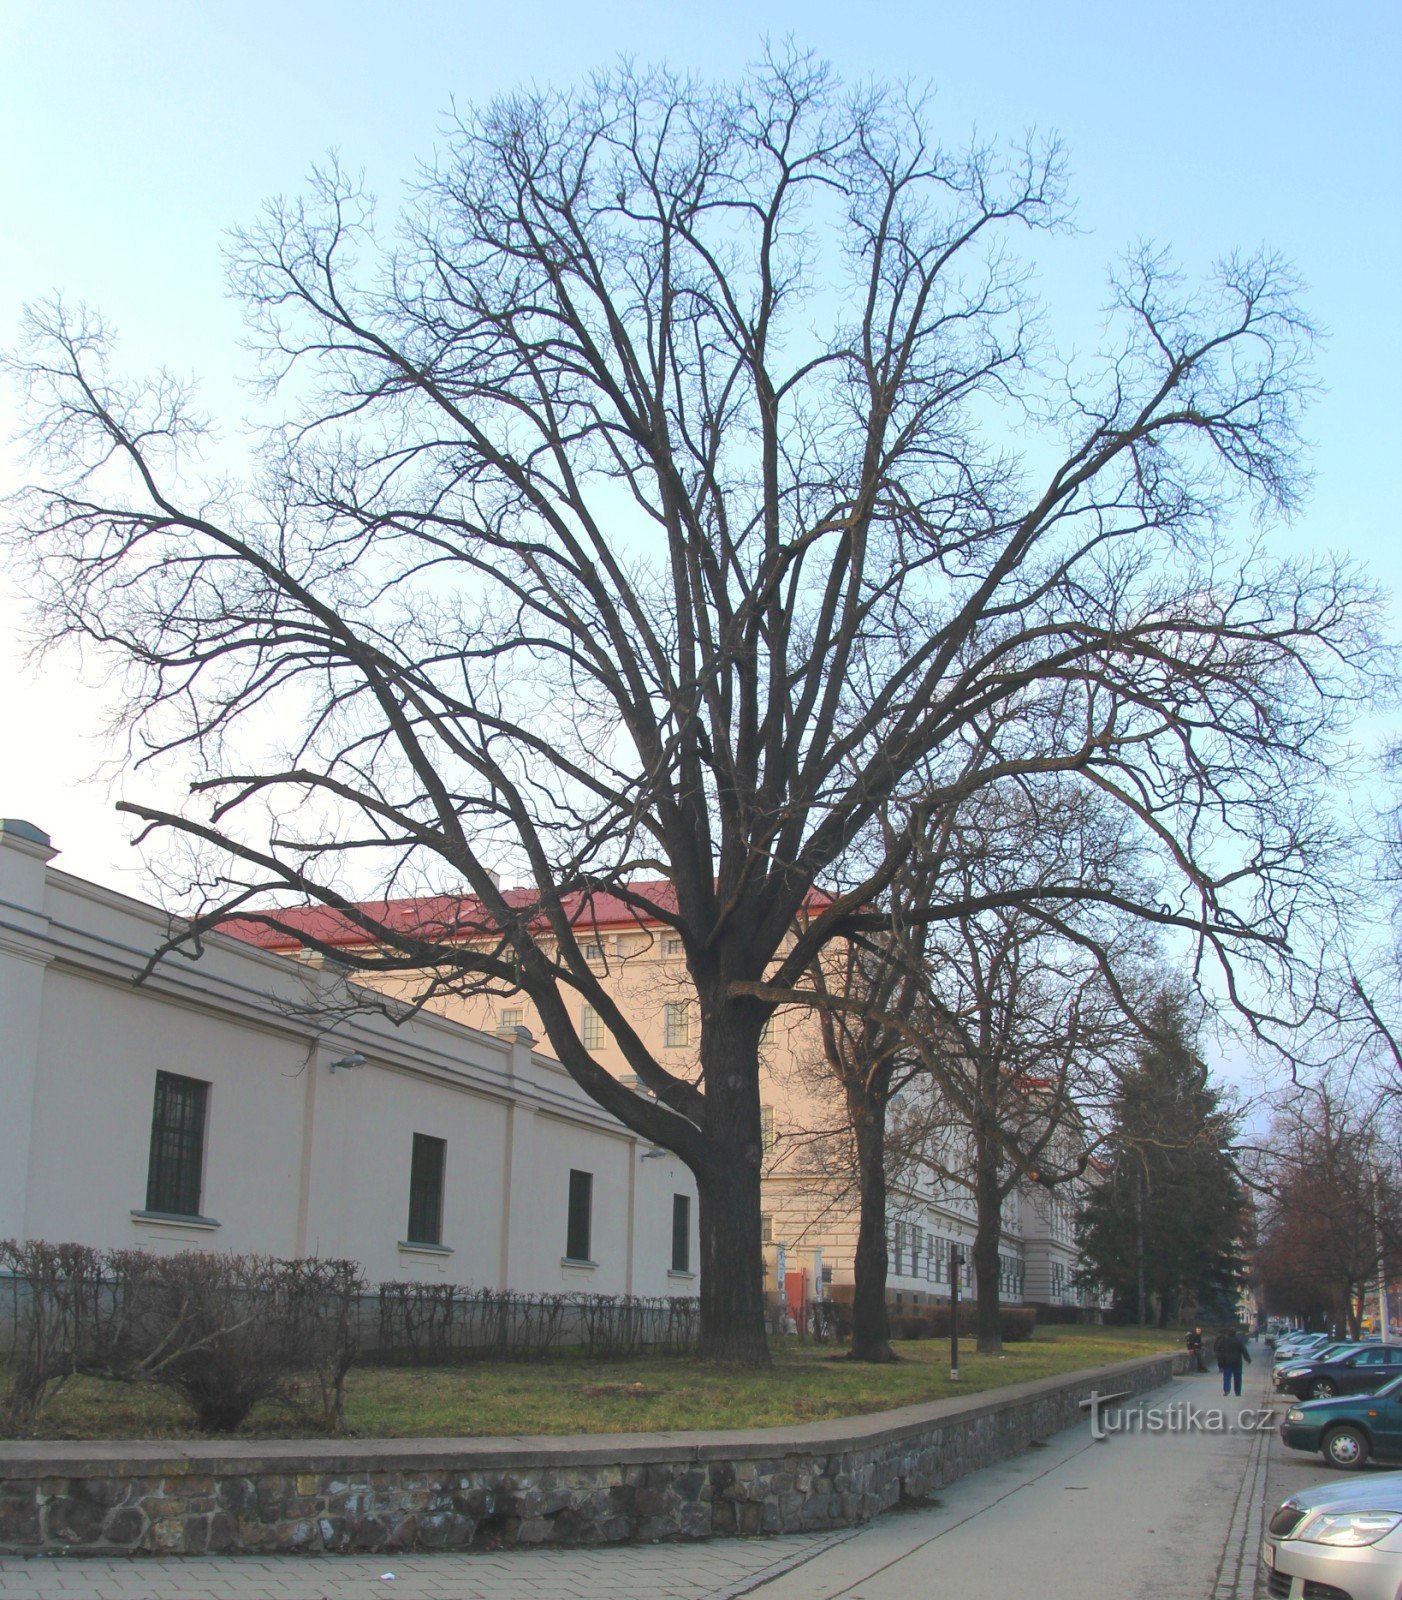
x: 437, y: 917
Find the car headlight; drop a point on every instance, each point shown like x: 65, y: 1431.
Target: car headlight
x: 1295, y: 1372
x: 1294, y: 1414
x: 1348, y: 1527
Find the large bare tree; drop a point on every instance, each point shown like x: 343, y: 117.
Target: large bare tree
x: 683, y: 468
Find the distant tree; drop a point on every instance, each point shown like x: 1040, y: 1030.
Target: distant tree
x: 680, y: 474
x: 1164, y: 1223
x: 1330, y: 1201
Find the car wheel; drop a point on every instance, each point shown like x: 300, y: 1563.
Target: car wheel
x: 1346, y: 1447
x: 1322, y: 1389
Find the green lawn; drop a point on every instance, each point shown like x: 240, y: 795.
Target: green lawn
x: 570, y: 1395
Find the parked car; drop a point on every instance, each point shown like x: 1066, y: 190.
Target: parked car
x: 1303, y: 1341
x: 1362, y: 1370
x: 1338, y: 1539
x: 1305, y: 1358
x: 1349, y: 1428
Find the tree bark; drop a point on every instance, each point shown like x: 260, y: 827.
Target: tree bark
x: 871, y: 1319
x: 988, y: 1236
x: 728, y: 1191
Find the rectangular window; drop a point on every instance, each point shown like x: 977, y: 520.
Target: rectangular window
x: 509, y: 1017
x: 592, y: 953
x: 766, y: 1228
x: 671, y: 944
x: 426, y: 1189
x: 677, y: 1022
x: 766, y: 1128
x: 591, y: 1029
x: 175, y: 1173
x: 579, y: 1224
x: 681, y: 1233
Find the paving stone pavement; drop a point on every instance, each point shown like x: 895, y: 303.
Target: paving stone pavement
x: 720, y: 1569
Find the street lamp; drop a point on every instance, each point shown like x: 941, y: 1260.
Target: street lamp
x: 956, y: 1261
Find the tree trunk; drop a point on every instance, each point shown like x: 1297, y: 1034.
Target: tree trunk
x: 728, y: 1191
x: 988, y: 1236
x: 732, y: 1265
x: 871, y: 1320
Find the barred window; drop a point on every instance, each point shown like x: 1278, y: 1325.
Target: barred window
x: 591, y: 1029
x: 175, y: 1172
x: 426, y: 1189
x: 681, y: 1233
x: 677, y: 1022
x: 579, y: 1223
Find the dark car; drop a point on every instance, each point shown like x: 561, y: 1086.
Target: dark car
x: 1349, y: 1428
x: 1361, y: 1370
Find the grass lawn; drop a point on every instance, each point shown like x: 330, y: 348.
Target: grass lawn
x: 570, y: 1395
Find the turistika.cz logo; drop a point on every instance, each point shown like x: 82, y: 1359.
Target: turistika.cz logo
x: 1108, y: 1417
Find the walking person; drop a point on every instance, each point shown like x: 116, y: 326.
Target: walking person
x: 1194, y: 1344
x: 1230, y: 1349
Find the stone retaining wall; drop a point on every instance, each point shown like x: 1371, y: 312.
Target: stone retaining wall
x: 423, y: 1494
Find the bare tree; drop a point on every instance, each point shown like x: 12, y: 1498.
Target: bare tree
x: 975, y: 1038
x: 1329, y: 1202
x: 681, y: 472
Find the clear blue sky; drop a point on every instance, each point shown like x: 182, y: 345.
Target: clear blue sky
x: 132, y: 135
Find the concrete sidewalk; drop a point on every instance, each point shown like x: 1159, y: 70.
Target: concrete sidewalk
x: 1168, y: 1515
x: 719, y: 1569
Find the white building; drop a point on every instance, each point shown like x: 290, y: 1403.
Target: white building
x: 242, y: 1102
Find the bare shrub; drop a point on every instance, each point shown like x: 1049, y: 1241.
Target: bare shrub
x: 56, y: 1321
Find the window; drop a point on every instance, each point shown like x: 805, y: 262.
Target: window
x: 578, y: 1225
x: 766, y: 1228
x: 766, y: 1128
x: 592, y: 953
x: 426, y: 1189
x: 681, y: 1233
x: 677, y: 1023
x: 591, y: 1029
x: 509, y: 1017
x: 175, y: 1174
x: 672, y: 944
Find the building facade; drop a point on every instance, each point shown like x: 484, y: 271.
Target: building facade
x: 810, y: 1209
x: 246, y: 1102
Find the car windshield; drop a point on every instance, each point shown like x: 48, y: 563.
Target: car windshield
x: 1393, y: 1386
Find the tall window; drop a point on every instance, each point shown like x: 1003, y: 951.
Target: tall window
x: 579, y: 1223
x: 175, y: 1173
x: 681, y: 1233
x: 591, y: 1028
x: 766, y: 1228
x: 426, y: 1189
x: 766, y: 1127
x: 677, y: 1023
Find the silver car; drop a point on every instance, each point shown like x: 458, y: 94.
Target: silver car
x: 1338, y: 1539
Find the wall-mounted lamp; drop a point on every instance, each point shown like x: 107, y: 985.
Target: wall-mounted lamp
x: 652, y: 1155
x: 350, y: 1062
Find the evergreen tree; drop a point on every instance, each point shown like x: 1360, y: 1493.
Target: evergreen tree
x: 1164, y: 1225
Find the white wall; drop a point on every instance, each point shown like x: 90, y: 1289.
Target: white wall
x: 299, y: 1158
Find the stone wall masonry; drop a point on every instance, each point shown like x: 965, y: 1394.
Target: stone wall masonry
x: 194, y: 1498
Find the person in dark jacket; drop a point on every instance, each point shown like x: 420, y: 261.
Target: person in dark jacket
x: 1194, y: 1344
x: 1230, y: 1349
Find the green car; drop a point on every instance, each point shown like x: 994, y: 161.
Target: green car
x: 1348, y: 1429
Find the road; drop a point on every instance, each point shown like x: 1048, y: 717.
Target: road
x: 1162, y: 1508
